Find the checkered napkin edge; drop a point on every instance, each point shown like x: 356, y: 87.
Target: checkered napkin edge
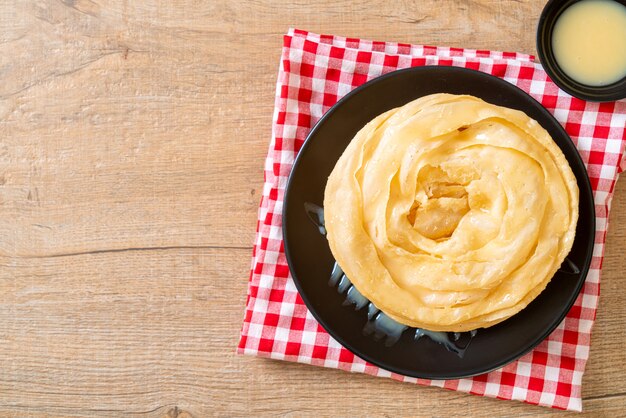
x: 316, y: 71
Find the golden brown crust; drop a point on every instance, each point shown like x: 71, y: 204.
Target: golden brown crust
x: 450, y: 213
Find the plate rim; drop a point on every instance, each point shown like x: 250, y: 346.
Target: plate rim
x: 381, y: 363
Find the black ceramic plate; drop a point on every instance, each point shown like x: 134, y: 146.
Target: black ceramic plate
x: 311, y: 261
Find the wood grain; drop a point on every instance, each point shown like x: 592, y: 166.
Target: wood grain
x: 132, y: 139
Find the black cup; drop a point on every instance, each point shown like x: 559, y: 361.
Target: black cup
x: 549, y: 16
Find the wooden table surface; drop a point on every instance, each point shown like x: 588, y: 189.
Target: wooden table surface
x: 132, y: 140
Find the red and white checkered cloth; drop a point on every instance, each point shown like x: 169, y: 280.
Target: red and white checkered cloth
x: 315, y: 72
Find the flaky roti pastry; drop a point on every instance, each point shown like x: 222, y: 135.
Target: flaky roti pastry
x: 450, y: 213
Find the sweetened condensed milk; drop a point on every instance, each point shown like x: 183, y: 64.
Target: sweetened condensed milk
x: 589, y: 42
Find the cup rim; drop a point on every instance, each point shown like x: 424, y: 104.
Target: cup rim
x: 549, y: 15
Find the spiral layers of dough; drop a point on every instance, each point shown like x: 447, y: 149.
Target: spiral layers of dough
x: 450, y: 213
